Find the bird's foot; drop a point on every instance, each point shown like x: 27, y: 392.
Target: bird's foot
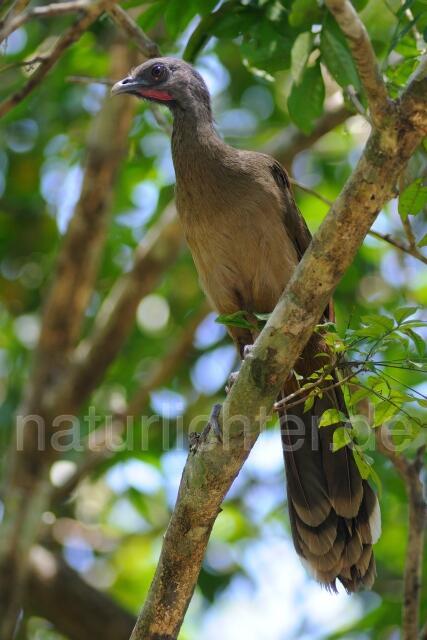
x: 230, y: 381
x: 233, y: 375
x: 247, y: 349
x: 213, y: 423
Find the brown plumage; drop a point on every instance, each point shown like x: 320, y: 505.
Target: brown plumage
x: 246, y: 236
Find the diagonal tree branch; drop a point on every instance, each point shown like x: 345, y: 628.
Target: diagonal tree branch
x: 410, y: 472
x: 364, y: 57
x: 26, y: 489
x: 212, y: 465
x: 15, y: 19
x: 128, y: 25
x: 77, y: 610
x: 411, y: 250
x: 78, y: 262
x: 158, y: 250
x: 93, y: 11
x: 292, y: 141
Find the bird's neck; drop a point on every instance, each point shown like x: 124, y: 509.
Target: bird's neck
x: 195, y: 141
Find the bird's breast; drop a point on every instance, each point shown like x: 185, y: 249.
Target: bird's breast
x: 239, y: 244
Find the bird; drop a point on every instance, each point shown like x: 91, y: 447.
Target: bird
x: 247, y: 235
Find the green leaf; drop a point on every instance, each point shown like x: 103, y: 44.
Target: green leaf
x: 359, y: 4
x: 341, y: 438
x: 308, y: 404
x: 331, y: 416
x: 305, y: 102
x: 374, y: 331
x: 148, y: 18
x: 265, y: 48
x: 376, y: 319
x: 384, y: 411
x: 299, y: 54
x: 177, y: 16
x: 237, y: 319
x: 423, y: 241
x: 412, y: 199
x: 204, y: 7
x: 336, y: 55
x: 232, y: 20
x: 376, y: 479
x: 358, y: 396
x: 418, y: 341
x: 264, y: 317
x: 304, y: 12
x: 363, y: 466
x: 404, y: 312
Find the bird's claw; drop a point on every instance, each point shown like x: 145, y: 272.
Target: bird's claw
x: 213, y: 423
x: 233, y: 375
x: 231, y: 380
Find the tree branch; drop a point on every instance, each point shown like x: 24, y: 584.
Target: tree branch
x: 15, y: 20
x: 364, y: 56
x: 159, y: 249
x: 77, y: 610
x: 26, y: 489
x: 410, y: 472
x: 411, y: 250
x: 285, y: 146
x: 78, y: 261
x: 124, y: 21
x: 212, y: 466
x: 93, y: 11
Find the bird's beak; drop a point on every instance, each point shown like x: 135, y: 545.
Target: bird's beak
x: 127, y: 85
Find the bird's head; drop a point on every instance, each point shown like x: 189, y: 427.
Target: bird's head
x: 168, y: 81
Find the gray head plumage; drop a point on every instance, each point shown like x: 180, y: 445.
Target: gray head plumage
x: 169, y: 81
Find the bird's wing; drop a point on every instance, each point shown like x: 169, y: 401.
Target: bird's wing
x: 294, y: 222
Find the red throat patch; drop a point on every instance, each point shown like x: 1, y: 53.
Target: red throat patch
x: 156, y: 94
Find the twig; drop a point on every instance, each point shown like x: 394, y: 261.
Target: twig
x: 411, y: 250
x: 16, y: 20
x: 286, y: 404
x: 312, y: 192
x: 409, y: 233
x: 410, y: 472
x: 89, y: 80
x: 92, y: 12
x: 287, y: 144
x: 363, y: 54
x: 410, y: 16
x: 79, y: 611
x: 16, y: 7
x: 124, y: 21
x: 24, y: 63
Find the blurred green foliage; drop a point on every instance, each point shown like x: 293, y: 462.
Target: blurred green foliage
x: 270, y: 64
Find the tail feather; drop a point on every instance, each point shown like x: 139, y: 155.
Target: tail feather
x: 318, y: 539
x: 334, y: 514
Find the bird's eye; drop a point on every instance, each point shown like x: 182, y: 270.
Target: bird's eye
x: 157, y: 71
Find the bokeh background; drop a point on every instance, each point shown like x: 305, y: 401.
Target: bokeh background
x: 110, y: 529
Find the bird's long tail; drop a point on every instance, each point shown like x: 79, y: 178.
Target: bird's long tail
x: 334, y: 513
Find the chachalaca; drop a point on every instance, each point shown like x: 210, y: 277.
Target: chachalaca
x: 246, y: 236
